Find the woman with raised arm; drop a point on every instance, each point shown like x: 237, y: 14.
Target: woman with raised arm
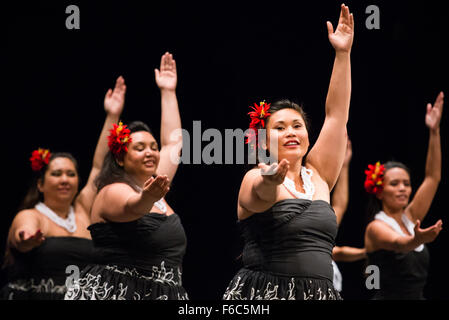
x: 394, y: 240
x: 340, y: 197
x: 49, y: 235
x: 139, y: 239
x: 288, y: 225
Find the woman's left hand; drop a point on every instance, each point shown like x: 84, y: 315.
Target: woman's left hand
x: 433, y: 114
x: 166, y: 77
x: 114, y: 100
x: 341, y: 40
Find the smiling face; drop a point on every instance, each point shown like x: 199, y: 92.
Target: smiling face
x: 60, y: 181
x: 142, y: 158
x: 289, y: 128
x: 396, y: 189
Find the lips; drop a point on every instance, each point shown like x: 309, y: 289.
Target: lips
x: 291, y: 143
x: 150, y: 162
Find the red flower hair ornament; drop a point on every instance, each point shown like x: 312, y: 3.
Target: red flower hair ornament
x: 258, y: 117
x: 39, y: 158
x: 119, y: 139
x: 374, y: 178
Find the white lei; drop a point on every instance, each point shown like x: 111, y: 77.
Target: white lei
x: 69, y: 223
x: 309, y: 187
x: 395, y: 226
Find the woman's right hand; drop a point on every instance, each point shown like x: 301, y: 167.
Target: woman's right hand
x: 156, y: 188
x: 274, y: 174
x: 28, y: 241
x: 429, y: 234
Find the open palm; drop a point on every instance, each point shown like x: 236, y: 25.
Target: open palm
x: 342, y: 38
x: 114, y: 100
x: 166, y: 77
x: 433, y: 115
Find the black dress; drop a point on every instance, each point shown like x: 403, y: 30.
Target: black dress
x: 137, y: 260
x: 40, y: 274
x: 402, y: 275
x: 287, y: 253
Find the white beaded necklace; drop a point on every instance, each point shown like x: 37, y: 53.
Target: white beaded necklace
x: 69, y: 223
x: 309, y: 187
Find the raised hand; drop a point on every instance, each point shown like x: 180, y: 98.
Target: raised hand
x: 156, y: 188
x: 433, y: 114
x: 274, y: 174
x: 343, y: 36
x: 166, y: 77
x: 429, y: 234
x: 29, y: 241
x: 114, y: 100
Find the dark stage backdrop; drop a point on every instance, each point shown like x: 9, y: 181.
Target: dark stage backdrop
x: 229, y: 55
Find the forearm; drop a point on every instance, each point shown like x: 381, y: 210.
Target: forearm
x: 339, y: 93
x: 405, y: 244
x: 170, y: 118
x: 265, y: 191
x: 433, y: 161
x: 102, y: 144
x: 137, y: 206
x: 348, y: 254
x: 340, y: 195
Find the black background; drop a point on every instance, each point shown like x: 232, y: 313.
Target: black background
x: 229, y: 55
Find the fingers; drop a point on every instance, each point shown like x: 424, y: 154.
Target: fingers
x: 156, y: 73
x: 330, y: 28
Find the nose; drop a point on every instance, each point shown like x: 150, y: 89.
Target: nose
x: 290, y: 132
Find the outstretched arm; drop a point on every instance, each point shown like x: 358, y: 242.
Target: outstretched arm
x: 340, y: 195
x: 171, y: 142
x: 348, y: 254
x: 114, y: 101
x: 420, y: 205
x: 328, y: 152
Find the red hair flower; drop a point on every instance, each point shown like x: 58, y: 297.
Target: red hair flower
x: 39, y: 158
x: 258, y: 117
x: 374, y: 178
x: 119, y: 139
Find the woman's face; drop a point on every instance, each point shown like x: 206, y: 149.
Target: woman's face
x: 60, y: 181
x: 289, y: 128
x: 396, y: 189
x: 142, y: 158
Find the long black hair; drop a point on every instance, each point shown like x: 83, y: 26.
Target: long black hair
x: 374, y: 204
x: 111, y: 171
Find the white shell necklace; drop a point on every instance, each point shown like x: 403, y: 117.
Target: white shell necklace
x: 69, y: 223
x: 309, y: 187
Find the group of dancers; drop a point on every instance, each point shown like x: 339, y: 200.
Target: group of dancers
x: 129, y: 244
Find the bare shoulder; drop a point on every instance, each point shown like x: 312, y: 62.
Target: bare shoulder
x: 111, y: 200
x: 27, y: 215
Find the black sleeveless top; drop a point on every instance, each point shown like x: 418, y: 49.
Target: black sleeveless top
x: 142, y: 243
x: 402, y: 275
x: 295, y: 237
x: 41, y: 272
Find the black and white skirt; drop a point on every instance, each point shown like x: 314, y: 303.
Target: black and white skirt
x: 112, y: 282
x: 257, y: 285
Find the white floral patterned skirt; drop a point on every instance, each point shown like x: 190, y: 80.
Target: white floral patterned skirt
x: 112, y: 282
x: 257, y: 285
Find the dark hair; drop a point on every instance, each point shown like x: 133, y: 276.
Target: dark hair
x: 33, y: 196
x: 374, y: 204
x: 288, y: 104
x: 111, y: 171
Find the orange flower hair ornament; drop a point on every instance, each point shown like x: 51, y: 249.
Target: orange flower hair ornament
x: 258, y: 116
x: 39, y: 158
x: 374, y: 178
x: 119, y: 139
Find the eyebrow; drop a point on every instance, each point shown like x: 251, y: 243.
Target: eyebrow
x: 283, y: 122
